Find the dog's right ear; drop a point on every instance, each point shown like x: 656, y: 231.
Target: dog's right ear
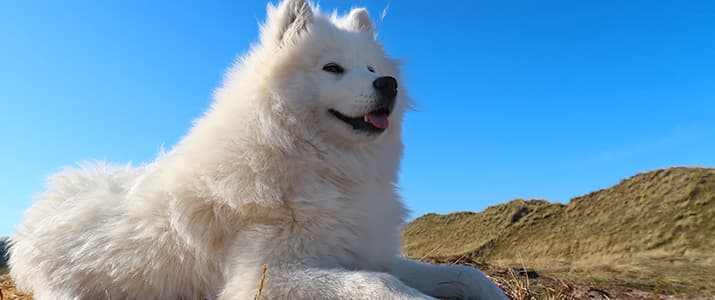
x: 286, y: 22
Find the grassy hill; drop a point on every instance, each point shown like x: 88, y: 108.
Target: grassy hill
x: 654, y: 230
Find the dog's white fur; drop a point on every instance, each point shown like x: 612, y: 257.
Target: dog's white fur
x: 265, y: 177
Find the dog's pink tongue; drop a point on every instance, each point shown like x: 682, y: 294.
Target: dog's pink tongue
x: 379, y: 121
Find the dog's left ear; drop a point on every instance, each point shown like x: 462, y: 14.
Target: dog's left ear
x: 359, y: 20
x: 287, y: 21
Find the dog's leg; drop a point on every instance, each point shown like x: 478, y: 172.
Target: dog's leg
x: 460, y: 282
x: 315, y: 283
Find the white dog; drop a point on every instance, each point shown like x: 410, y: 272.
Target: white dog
x: 293, y: 167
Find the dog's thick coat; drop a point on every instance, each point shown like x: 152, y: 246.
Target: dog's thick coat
x: 268, y: 176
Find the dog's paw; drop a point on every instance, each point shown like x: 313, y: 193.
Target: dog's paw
x: 467, y: 284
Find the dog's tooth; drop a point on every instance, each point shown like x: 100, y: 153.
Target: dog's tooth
x: 366, y: 119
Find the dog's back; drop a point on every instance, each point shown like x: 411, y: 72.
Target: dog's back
x: 75, y: 234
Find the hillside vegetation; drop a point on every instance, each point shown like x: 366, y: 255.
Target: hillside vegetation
x: 655, y: 230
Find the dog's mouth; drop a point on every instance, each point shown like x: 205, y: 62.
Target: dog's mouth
x: 372, y: 122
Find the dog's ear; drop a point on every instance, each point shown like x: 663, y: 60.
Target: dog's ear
x: 286, y: 21
x: 359, y: 20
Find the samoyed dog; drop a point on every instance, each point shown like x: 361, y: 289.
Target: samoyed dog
x: 294, y: 167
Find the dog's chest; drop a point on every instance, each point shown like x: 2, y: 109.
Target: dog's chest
x: 357, y: 229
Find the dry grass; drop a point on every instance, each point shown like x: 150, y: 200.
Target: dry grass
x: 651, y: 231
x: 518, y: 283
x: 523, y: 283
x: 518, y: 287
x: 260, y: 285
x: 8, y: 290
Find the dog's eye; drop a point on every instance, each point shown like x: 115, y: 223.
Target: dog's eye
x: 371, y: 69
x: 333, y: 68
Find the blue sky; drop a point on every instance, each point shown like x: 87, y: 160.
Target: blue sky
x: 542, y: 99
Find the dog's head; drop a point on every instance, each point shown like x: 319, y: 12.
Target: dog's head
x: 331, y: 72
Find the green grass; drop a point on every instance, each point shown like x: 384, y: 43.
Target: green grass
x: 653, y: 230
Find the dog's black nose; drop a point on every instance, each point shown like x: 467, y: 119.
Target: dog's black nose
x: 386, y: 86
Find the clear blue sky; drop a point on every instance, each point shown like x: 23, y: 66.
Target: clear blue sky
x: 545, y: 99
